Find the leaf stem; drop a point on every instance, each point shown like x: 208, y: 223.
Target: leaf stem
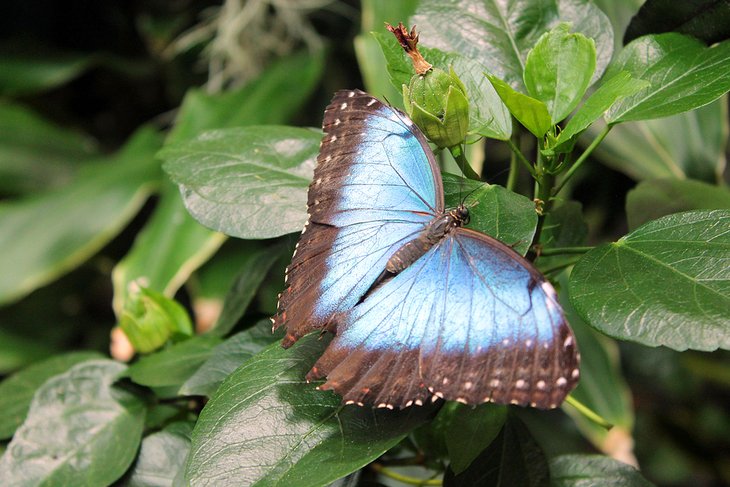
x: 459, y: 155
x: 404, y: 478
x: 579, y: 162
x: 588, y: 413
x: 521, y: 157
x: 565, y: 250
x: 561, y: 266
x: 543, y: 200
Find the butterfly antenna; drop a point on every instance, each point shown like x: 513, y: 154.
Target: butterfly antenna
x: 476, y: 202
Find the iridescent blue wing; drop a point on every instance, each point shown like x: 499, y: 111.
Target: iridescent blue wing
x: 471, y: 321
x: 375, y: 187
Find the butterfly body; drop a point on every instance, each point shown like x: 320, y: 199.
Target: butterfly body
x: 421, y: 306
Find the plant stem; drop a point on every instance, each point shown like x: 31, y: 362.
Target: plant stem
x: 457, y: 152
x: 588, y: 413
x: 544, y: 183
x: 565, y: 250
x: 404, y: 478
x: 514, y: 168
x: 579, y: 162
x: 517, y: 152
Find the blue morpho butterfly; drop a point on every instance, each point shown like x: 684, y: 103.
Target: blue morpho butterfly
x: 421, y: 307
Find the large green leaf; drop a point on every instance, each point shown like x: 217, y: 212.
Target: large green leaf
x: 46, y: 235
x: 513, y: 458
x: 691, y: 144
x: 470, y: 430
x: 251, y: 274
x: 619, y: 86
x: 494, y: 210
x: 17, y: 390
x: 246, y: 182
x: 666, y: 283
x: 487, y: 114
x: 228, y: 356
x: 274, y: 97
x: 708, y: 20
x: 590, y: 470
x: 80, y: 430
x: 174, y: 365
x: 499, y: 35
x: 558, y: 70
x: 34, y: 153
x: 169, y: 248
x: 684, y: 75
x: 266, y: 426
x: 161, y: 457
x: 655, y: 198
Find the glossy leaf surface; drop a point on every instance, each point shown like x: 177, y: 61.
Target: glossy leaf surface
x: 80, y: 430
x: 665, y: 283
x: 246, y: 182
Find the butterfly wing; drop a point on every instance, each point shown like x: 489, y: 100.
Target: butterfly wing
x: 375, y: 187
x: 471, y: 321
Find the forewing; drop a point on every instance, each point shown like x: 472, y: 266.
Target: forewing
x: 375, y: 187
x: 470, y: 321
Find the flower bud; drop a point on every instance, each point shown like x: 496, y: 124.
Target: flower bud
x: 150, y: 319
x: 436, y: 101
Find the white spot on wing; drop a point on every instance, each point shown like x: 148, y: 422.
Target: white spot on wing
x: 520, y: 384
x: 561, y: 381
x: 575, y: 373
x: 343, y: 106
x: 468, y: 385
x: 541, y: 384
x: 494, y: 383
x: 372, y: 102
x: 351, y: 94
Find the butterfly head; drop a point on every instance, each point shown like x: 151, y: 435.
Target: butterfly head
x: 460, y: 215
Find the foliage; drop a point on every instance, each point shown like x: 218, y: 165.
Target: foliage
x: 154, y: 203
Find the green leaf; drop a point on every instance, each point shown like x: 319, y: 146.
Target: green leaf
x: 17, y: 390
x: 558, y: 70
x: 487, y: 114
x: 498, y: 35
x: 655, y: 198
x: 228, y: 356
x: 691, y: 144
x: 246, y: 182
x: 34, y: 153
x: 494, y: 210
x: 684, y: 75
x: 273, y: 98
x: 666, y: 283
x: 470, y: 431
x: 167, y: 250
x: 80, y: 430
x: 72, y: 223
x: 531, y: 113
x: 250, y: 277
x: 707, y: 20
x: 24, y: 73
x: 513, y: 458
x: 161, y: 457
x: 586, y: 470
x: 173, y: 365
x: 619, y: 86
x: 285, y: 431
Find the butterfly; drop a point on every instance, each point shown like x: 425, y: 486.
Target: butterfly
x: 421, y: 307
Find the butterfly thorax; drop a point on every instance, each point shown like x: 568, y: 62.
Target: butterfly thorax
x: 430, y: 236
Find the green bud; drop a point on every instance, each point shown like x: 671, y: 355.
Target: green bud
x: 436, y: 101
x: 150, y: 319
